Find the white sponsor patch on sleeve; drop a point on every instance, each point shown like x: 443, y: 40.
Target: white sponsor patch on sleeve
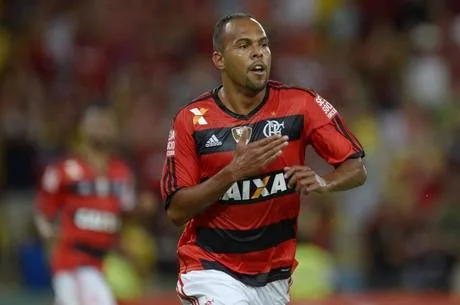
x: 171, y: 146
x: 327, y: 107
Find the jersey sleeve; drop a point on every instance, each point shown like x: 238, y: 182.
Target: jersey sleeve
x: 181, y: 168
x: 49, y: 198
x: 327, y: 132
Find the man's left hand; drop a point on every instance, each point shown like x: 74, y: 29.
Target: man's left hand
x: 305, y: 180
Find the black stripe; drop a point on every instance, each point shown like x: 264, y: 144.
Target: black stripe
x: 91, y: 251
x: 357, y: 155
x: 245, y: 241
x: 165, y: 177
x: 254, y: 280
x: 292, y: 126
x: 273, y: 188
x: 350, y: 134
x: 280, y: 86
x: 340, y: 128
x: 88, y: 188
x: 82, y: 188
x: 169, y: 176
x: 168, y: 200
x: 174, y: 177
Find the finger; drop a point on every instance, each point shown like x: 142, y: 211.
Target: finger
x: 271, y: 158
x: 321, y: 181
x: 290, y: 171
x: 312, y: 188
x: 319, y: 185
x: 265, y: 154
x: 265, y: 141
x: 299, y: 178
x: 257, y: 149
x: 305, y: 183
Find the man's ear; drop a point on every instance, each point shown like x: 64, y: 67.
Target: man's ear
x: 218, y: 60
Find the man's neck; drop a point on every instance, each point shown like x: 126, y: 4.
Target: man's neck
x: 240, y: 101
x: 96, y: 158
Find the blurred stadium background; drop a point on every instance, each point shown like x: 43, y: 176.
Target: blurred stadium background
x: 391, y: 67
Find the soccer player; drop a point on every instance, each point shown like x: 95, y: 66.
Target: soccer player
x: 234, y: 172
x: 87, y: 192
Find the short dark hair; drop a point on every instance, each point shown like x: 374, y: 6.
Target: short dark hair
x: 220, y: 25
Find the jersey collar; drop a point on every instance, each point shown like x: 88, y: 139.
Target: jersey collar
x: 238, y: 116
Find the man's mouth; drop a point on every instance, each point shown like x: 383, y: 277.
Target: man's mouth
x: 258, y: 69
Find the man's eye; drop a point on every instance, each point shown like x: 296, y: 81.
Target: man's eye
x: 243, y: 46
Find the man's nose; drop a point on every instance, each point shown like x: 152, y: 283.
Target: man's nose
x: 257, y: 52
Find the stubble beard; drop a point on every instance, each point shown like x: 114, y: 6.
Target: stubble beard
x: 255, y: 88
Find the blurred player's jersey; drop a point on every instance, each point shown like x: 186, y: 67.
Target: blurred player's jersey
x: 89, y: 207
x: 250, y: 233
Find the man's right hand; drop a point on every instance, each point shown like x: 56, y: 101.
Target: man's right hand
x: 250, y: 159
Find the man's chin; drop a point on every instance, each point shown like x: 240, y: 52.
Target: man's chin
x: 257, y: 86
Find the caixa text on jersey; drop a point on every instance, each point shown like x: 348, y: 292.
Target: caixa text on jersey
x: 257, y: 188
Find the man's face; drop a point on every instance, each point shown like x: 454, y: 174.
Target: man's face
x: 99, y: 129
x: 246, y: 55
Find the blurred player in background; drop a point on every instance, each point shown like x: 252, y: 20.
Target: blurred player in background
x: 87, y: 192
x: 235, y: 170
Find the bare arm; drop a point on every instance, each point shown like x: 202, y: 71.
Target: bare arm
x: 249, y: 159
x: 190, y: 201
x: 45, y: 228
x: 348, y: 175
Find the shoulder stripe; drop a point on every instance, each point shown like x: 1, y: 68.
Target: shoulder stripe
x: 164, y: 183
x: 202, y: 97
x: 173, y: 174
x: 279, y: 85
x: 169, y: 179
x: 340, y: 126
x: 168, y: 191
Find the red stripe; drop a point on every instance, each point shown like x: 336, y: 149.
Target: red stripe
x: 248, y: 263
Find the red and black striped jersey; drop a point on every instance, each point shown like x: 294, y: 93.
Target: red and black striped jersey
x: 89, y: 206
x: 251, y: 231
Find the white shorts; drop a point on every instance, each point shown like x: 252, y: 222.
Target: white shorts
x: 84, y: 285
x: 212, y: 287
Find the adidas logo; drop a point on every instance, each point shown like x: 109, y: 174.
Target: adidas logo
x: 213, y: 141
